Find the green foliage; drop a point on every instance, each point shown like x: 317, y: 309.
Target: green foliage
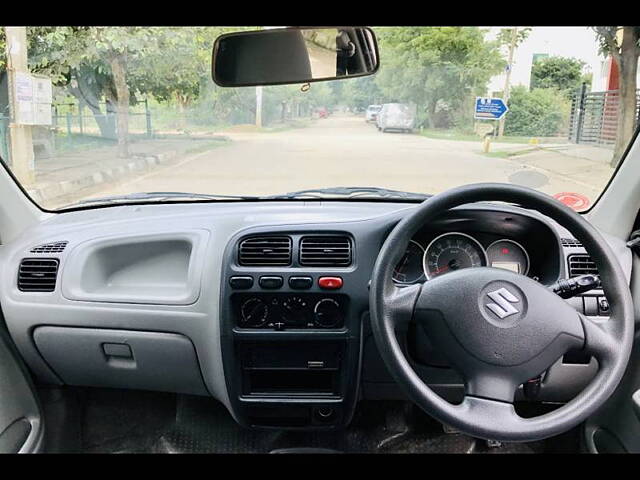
x: 505, y: 36
x: 437, y: 68
x: 539, y: 112
x: 440, y: 69
x: 3, y: 51
x: 561, y: 73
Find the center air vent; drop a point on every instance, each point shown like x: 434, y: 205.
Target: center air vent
x: 53, y: 247
x: 37, y: 274
x: 265, y: 251
x: 325, y: 251
x: 581, y: 265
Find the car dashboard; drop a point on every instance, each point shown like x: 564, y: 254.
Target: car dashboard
x: 263, y: 306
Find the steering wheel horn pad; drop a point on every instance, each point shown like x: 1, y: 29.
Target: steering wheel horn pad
x: 498, y: 328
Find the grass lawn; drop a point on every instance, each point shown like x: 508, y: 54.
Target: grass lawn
x: 442, y: 134
x: 74, y: 142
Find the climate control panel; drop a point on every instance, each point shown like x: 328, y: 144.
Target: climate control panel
x: 280, y: 311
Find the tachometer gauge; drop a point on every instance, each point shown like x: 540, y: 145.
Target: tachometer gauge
x: 409, y: 268
x: 509, y: 255
x: 452, y: 251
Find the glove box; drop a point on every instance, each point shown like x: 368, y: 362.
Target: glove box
x: 121, y: 359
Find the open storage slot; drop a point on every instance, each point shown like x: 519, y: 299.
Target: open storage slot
x: 291, y: 382
x: 301, y: 368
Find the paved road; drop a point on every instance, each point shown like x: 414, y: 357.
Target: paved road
x: 345, y: 151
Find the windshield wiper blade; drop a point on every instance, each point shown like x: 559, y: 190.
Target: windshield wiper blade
x: 351, y: 192
x: 157, y: 196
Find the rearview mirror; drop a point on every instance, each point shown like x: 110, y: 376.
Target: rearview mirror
x: 293, y: 55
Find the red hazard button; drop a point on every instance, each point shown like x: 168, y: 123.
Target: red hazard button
x: 330, y: 283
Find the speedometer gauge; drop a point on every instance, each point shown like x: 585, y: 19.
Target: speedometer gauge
x: 409, y: 268
x: 452, y: 251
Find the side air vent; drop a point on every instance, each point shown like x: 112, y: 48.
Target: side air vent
x: 570, y: 242
x: 37, y: 274
x: 325, y: 251
x: 581, y: 265
x: 265, y: 252
x: 53, y: 247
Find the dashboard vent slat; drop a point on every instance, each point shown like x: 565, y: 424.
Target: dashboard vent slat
x: 265, y: 251
x: 581, y: 264
x: 53, y: 247
x: 38, y: 274
x: 325, y: 251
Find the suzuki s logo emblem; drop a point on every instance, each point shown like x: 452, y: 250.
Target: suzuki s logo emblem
x: 503, y: 299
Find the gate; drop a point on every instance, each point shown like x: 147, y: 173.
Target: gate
x: 4, y: 139
x: 594, y: 116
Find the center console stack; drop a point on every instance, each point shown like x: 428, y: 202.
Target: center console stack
x: 291, y: 328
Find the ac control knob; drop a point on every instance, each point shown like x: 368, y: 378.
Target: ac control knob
x: 253, y: 313
x: 327, y: 313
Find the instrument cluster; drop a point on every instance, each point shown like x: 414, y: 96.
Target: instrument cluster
x: 427, y: 257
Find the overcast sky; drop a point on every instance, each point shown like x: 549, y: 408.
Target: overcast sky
x: 576, y: 42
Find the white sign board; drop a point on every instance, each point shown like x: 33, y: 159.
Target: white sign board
x: 33, y: 96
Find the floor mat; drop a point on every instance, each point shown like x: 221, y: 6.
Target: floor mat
x: 119, y: 421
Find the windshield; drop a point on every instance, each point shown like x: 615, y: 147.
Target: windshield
x: 101, y: 115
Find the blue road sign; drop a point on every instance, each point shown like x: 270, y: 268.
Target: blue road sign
x: 490, y: 108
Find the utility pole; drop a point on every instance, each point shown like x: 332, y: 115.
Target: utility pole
x: 20, y: 140
x: 507, y: 78
x: 259, y: 107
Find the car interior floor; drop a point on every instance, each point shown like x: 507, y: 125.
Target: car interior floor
x: 94, y: 420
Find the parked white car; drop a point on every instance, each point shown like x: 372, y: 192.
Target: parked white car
x: 372, y: 112
x: 396, y: 116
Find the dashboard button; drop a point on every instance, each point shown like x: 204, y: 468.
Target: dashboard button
x: 603, y: 306
x: 330, y: 283
x: 300, y: 283
x: 271, y: 282
x: 241, y: 283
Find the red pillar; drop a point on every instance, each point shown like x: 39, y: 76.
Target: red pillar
x: 609, y: 126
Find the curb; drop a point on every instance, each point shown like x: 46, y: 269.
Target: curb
x: 134, y: 165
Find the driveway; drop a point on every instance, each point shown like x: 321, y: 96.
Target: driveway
x: 346, y: 151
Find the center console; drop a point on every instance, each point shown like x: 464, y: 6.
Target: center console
x: 292, y: 304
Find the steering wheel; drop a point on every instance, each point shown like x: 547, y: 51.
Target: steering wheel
x: 498, y: 328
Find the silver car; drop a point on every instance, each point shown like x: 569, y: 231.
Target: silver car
x: 396, y: 116
x: 372, y: 112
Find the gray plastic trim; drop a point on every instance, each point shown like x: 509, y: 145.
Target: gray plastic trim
x: 157, y: 361
x: 199, y: 321
x: 160, y: 269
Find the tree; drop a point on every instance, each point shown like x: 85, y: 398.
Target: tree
x: 625, y: 53
x: 562, y: 73
x: 436, y: 68
x: 511, y: 37
x: 359, y: 93
x: 176, y: 70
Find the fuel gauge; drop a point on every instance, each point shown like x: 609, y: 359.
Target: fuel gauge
x: 508, y: 255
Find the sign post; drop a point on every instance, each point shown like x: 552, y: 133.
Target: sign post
x: 20, y: 94
x: 489, y: 109
x: 30, y: 98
